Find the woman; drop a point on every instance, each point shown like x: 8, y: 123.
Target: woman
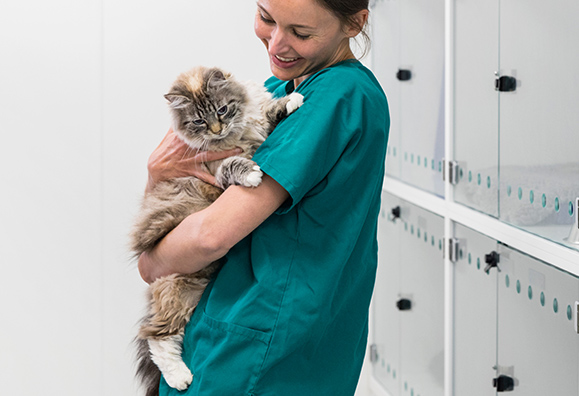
x: 288, y: 312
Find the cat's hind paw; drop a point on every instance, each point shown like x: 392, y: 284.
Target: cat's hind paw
x: 253, y: 178
x: 294, y: 102
x: 179, y: 377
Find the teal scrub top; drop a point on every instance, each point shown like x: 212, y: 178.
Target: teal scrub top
x: 287, y: 314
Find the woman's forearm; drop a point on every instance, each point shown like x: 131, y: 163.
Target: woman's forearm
x: 206, y: 236
x: 185, y: 250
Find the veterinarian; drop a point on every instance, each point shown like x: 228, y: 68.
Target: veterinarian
x: 288, y: 313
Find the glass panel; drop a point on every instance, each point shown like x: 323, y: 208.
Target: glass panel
x: 385, y: 62
x: 476, y: 104
x: 475, y: 315
x: 422, y: 96
x: 539, y: 122
x: 422, y: 282
x: 386, y: 322
x: 537, y: 336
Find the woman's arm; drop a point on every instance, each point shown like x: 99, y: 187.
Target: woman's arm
x: 206, y: 236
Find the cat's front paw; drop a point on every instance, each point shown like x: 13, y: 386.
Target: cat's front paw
x: 179, y: 377
x: 253, y: 178
x: 294, y: 102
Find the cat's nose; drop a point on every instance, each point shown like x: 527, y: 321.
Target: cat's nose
x: 215, y: 128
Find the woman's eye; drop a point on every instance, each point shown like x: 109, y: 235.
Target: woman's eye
x: 301, y: 36
x: 199, y: 122
x: 266, y: 20
x: 222, y: 111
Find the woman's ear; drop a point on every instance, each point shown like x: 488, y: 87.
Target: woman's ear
x: 358, y: 22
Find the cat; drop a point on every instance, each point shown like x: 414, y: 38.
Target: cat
x: 213, y: 111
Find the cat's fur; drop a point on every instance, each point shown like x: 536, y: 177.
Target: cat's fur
x: 210, y: 111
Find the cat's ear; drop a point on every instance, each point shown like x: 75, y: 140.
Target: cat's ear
x: 216, y: 77
x: 177, y: 101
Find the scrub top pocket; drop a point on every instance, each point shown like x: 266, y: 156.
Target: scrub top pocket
x: 226, y: 361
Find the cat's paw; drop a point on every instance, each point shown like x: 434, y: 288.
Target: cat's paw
x: 179, y: 377
x: 294, y: 102
x: 253, y: 178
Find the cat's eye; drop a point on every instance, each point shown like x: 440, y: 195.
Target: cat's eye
x: 199, y: 122
x: 222, y: 111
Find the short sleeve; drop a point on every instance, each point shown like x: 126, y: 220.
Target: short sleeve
x: 305, y: 146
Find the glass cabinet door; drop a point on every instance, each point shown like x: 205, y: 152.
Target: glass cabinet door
x: 539, y: 120
x: 421, y: 79
x: 385, y: 61
x: 475, y: 315
x: 476, y: 144
x: 538, y: 344
x: 386, y: 321
x: 422, y: 284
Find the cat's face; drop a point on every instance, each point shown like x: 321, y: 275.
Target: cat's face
x: 207, y: 106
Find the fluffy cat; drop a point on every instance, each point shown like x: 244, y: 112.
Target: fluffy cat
x: 210, y: 111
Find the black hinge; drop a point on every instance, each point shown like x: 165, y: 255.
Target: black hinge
x: 504, y: 383
x: 505, y: 83
x: 492, y: 259
x: 404, y: 304
x: 404, y: 74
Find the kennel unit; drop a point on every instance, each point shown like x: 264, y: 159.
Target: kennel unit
x: 482, y: 162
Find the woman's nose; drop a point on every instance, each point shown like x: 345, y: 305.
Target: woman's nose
x: 277, y: 41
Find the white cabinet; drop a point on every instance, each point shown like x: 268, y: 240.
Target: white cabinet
x: 408, y: 59
x: 499, y: 313
x: 409, y: 302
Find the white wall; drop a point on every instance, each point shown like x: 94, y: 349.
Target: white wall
x: 81, y: 108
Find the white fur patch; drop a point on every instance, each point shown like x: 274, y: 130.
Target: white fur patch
x: 166, y: 353
x: 295, y: 101
x: 253, y: 179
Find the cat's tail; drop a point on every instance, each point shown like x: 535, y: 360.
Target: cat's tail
x: 147, y: 371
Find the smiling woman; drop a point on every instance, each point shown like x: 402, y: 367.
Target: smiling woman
x: 287, y: 314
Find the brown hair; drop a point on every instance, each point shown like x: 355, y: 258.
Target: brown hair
x: 345, y: 11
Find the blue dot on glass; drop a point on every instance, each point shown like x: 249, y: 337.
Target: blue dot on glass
x: 469, y: 176
x: 530, y: 293
x: 555, y: 305
x: 518, y: 286
x: 569, y: 312
x: 478, y: 179
x: 478, y: 263
x: 531, y: 196
x: 542, y: 299
x: 509, y: 190
x: 488, y: 182
x: 507, y: 281
x: 544, y: 200
x: 557, y: 206
x: 570, y: 208
x: 520, y: 193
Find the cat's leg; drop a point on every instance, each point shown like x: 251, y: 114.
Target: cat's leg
x: 278, y: 109
x: 238, y: 171
x: 172, y: 300
x: 166, y: 353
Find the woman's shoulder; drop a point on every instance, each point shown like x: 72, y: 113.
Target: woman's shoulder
x: 349, y: 79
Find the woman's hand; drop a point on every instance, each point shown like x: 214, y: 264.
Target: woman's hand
x: 174, y: 158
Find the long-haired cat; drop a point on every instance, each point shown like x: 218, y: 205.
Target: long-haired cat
x: 210, y: 111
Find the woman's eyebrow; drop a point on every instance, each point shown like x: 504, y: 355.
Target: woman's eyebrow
x: 292, y: 25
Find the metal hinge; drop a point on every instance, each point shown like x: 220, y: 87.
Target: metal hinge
x: 452, y: 249
x: 451, y: 168
x: 373, y: 353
